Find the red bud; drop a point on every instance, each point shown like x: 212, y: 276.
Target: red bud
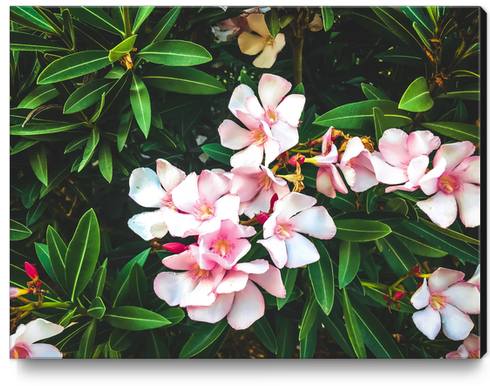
x: 262, y: 217
x: 398, y: 296
x: 416, y: 269
x: 297, y: 159
x: 386, y: 297
x: 419, y: 285
x: 175, y: 247
x: 31, y: 271
x: 274, y: 198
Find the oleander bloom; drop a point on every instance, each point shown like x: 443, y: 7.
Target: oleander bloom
x: 201, y: 202
x: 263, y: 42
x: 153, y: 190
x: 255, y: 185
x: 280, y: 112
x: 238, y: 298
x: 445, y: 301
x: 475, y: 279
x: 22, y: 342
x: 408, y: 154
x: 455, y: 180
x: 294, y: 214
x: 470, y: 349
x: 228, y: 29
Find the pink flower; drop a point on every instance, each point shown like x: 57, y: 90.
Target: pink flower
x: 251, y: 44
x: 201, y: 202
x: 470, y: 349
x: 328, y: 180
x: 294, y: 214
x: 238, y: 298
x: 447, y: 300
x: 255, y: 141
x: 145, y: 188
x: 22, y: 342
x: 16, y: 292
x: 455, y: 180
x: 255, y: 185
x: 280, y: 112
x: 408, y: 154
x: 227, y: 29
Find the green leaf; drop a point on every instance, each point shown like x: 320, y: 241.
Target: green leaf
x: 123, y: 129
x: 30, y: 14
x: 38, y: 96
x: 322, y: 278
x: 416, y: 97
x: 68, y: 26
x: 360, y: 230
x: 97, y: 308
x: 116, y: 97
x: 328, y: 18
x: 20, y: 41
x: 218, y: 152
x: 287, y: 338
x: 89, y: 150
x: 352, y: 325
x: 43, y: 256
x: 55, y: 177
x: 121, y: 340
x: 98, y: 282
x: 359, y: 115
x: 96, y: 17
x: 140, y: 103
x: 336, y: 327
x: 57, y: 253
x: 82, y: 254
x: 308, y: 319
x: 87, y: 341
x: 205, y: 335
x: 450, y: 233
x: 18, y: 231
x: 74, y: 65
x: 271, y: 18
x: 285, y: 20
x: 456, y: 130
x: 76, y: 144
x: 155, y: 346
x: 174, y: 315
x: 36, y: 211
x: 264, y: 332
x: 470, y: 92
x: 23, y: 144
x: 245, y: 79
x: 379, y: 123
x: 349, y: 262
x: 39, y: 163
x: 397, y: 205
x: 66, y: 319
x: 175, y: 53
x: 373, y: 93
x: 86, y: 95
x: 183, y: 80
x: 400, y: 55
x: 134, y: 318
x: 122, y: 48
x: 39, y: 128
x: 137, y: 286
x: 307, y: 345
x: 288, y: 277
x: 162, y: 28
x: 418, y: 245
x: 105, y: 161
x: 417, y: 14
x: 143, y: 13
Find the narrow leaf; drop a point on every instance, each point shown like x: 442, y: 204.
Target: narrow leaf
x: 456, y: 130
x: 122, y: 48
x: 322, y: 278
x: 416, y: 97
x: 105, y: 161
x: 140, y: 103
x: 134, y: 318
x: 205, y: 335
x: 57, y: 253
x: 352, y: 325
x: 349, y: 262
x: 18, y: 231
x: 175, y: 53
x: 264, y: 332
x: 39, y: 163
x: 361, y: 230
x: 328, y: 18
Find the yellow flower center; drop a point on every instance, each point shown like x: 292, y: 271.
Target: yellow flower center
x: 437, y: 301
x: 258, y: 137
x: 284, y: 230
x: 449, y: 183
x: 271, y: 115
x: 203, y: 211
x: 222, y: 247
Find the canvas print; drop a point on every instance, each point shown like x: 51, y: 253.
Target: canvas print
x: 246, y: 182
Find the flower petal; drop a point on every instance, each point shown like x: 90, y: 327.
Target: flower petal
x: 215, y: 312
x: 465, y: 296
x: 454, y: 153
x: 441, y: 208
x: 254, y: 108
x: 238, y: 97
x: 272, y: 89
x: 469, y: 205
x: 251, y: 44
x: 232, y: 282
x: 186, y: 194
x: 417, y: 168
x: 393, y: 147
x: 271, y: 281
x: 301, y: 251
x: 44, y: 351
x: 145, y: 188
x: 272, y: 149
x: 233, y: 136
x: 429, y: 183
x: 173, y: 287
x: 469, y: 170
x: 148, y: 225
x: 181, y: 223
x: 201, y: 295
x: 428, y: 322
x: 472, y: 342
x: 248, y: 306
x: 442, y: 278
x: 180, y: 262
x: 420, y: 298
x: 38, y: 329
x: 277, y: 250
x: 290, y: 109
x: 293, y: 203
x: 169, y: 175
x: 286, y: 134
x: 387, y: 174
x: 251, y: 156
x: 315, y: 222
x: 422, y: 142
x: 211, y: 186
x: 456, y: 325
x: 258, y: 266
x: 256, y: 22
x: 226, y: 207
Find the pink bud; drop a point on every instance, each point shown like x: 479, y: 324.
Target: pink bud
x: 416, y: 269
x: 31, y: 271
x: 262, y: 217
x: 14, y: 292
x: 419, y: 285
x: 386, y: 297
x: 295, y: 159
x: 274, y: 198
x: 175, y: 247
x: 399, y: 296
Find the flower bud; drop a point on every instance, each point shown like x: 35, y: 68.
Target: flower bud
x: 31, y: 271
x: 262, y: 217
x: 299, y: 158
x: 274, y: 198
x: 175, y: 247
x: 399, y: 296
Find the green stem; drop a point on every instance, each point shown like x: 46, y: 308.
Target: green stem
x: 35, y: 306
x: 127, y: 22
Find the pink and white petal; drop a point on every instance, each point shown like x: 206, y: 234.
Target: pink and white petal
x: 232, y: 282
x: 245, y: 182
x: 408, y: 187
x: 422, y: 142
x: 271, y: 281
x: 248, y: 306
x: 456, y: 324
x: 464, y: 296
x: 181, y: 223
x: 315, y: 222
x: 38, y: 329
x: 227, y: 207
x: 233, y: 136
x: 44, y: 351
x: 294, y: 203
x: 201, y: 295
x: 461, y: 353
x: 454, y: 153
x: 349, y: 174
x: 238, y: 97
x: 429, y: 183
x: 428, y: 322
x: 442, y: 278
x: 253, y: 108
x: 277, y: 250
x: 387, y: 174
x: 420, y: 298
x: 290, y: 109
x: 272, y: 89
x: 272, y: 150
x: 469, y: 205
x: 148, y: 225
x: 173, y: 287
x: 215, y: 312
x: 441, y: 208
x: 256, y: 22
x: 365, y: 179
x: 250, y: 121
x: 169, y: 175
x: 257, y: 267
x: 261, y: 203
x: 472, y: 342
x: 145, y: 188
x: 186, y: 194
x: 475, y: 279
x: 393, y: 147
x: 301, y: 251
x: 286, y: 134
x: 251, y: 44
x: 324, y: 183
x: 180, y: 262
x: 417, y: 168
x: 250, y: 156
x: 353, y: 149
x: 469, y: 170
x: 271, y: 222
x: 211, y: 186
